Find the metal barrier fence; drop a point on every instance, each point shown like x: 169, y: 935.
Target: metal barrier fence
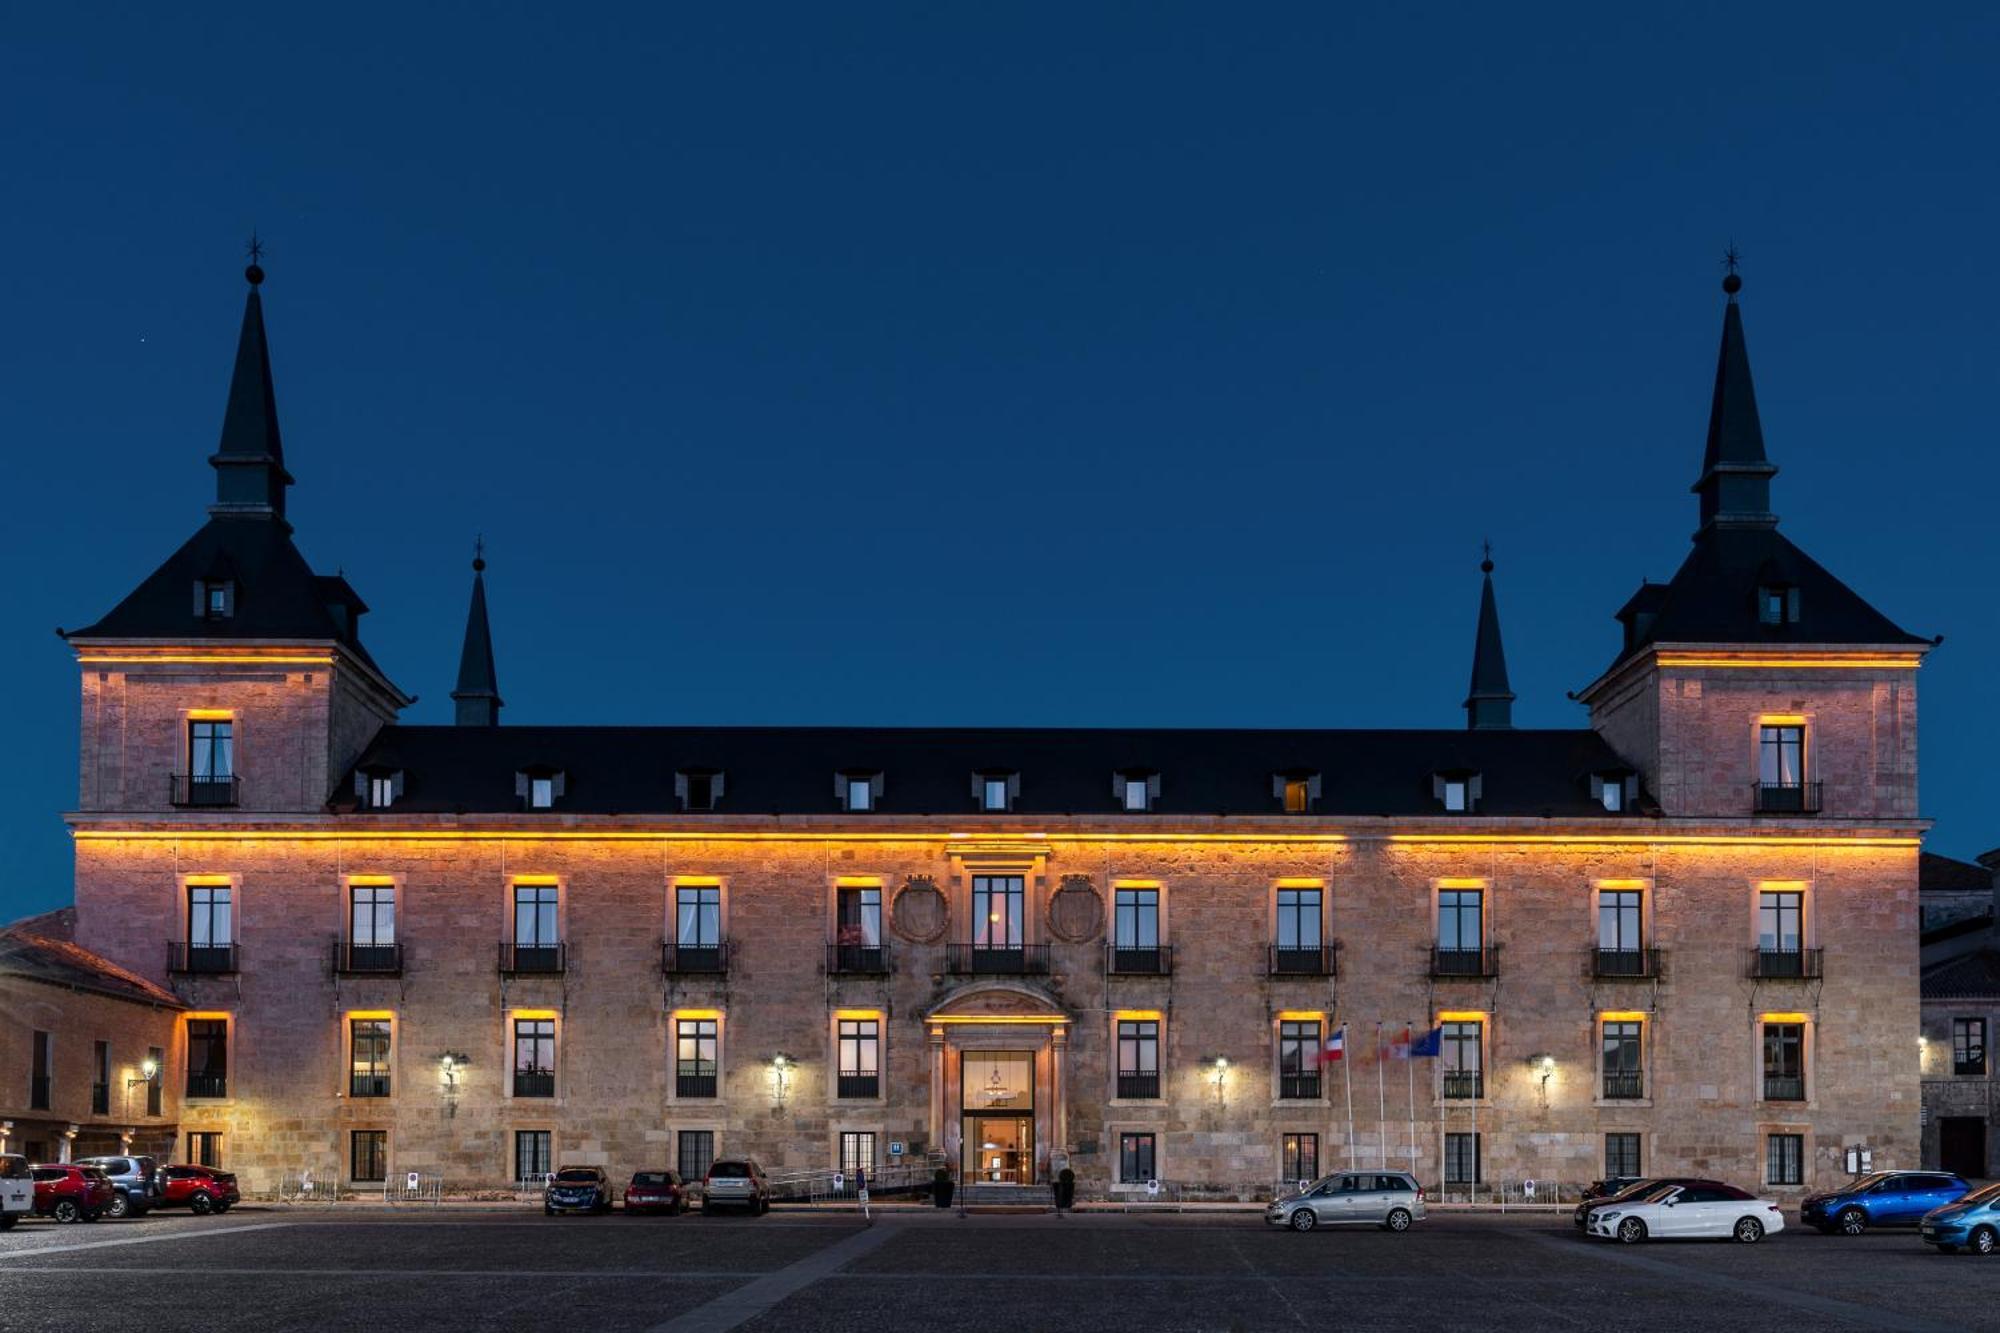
x: 413, y: 1187
x: 312, y: 1185
x: 529, y: 1189
x: 910, y: 1176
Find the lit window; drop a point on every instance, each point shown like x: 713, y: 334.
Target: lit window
x: 859, y: 792
x: 1454, y: 794
x: 860, y: 796
x: 995, y: 791
x: 381, y: 792
x: 1296, y: 791
x: 1135, y: 791
x: 1458, y: 792
x: 215, y: 599
x: 539, y: 788
x: 541, y: 792
x: 1613, y: 796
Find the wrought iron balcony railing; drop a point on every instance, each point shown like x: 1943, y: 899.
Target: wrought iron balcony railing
x: 367, y: 960
x: 1785, y: 798
x: 1475, y: 963
x: 684, y: 960
x: 850, y: 1085
x: 1131, y: 960
x: 857, y: 960
x: 1464, y: 1084
x: 534, y: 1083
x: 1303, y: 960
x: 694, y: 1085
x: 1785, y: 964
x: 1138, y: 1087
x: 1625, y: 964
x: 207, y: 1085
x: 990, y: 960
x: 539, y: 959
x: 1298, y: 1087
x: 200, y: 959
x: 1624, y: 1085
x: 199, y: 790
x: 1784, y: 1087
x: 375, y: 1084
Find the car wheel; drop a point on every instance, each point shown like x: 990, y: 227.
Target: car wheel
x: 1748, y: 1230
x: 1631, y: 1231
x: 1853, y: 1221
x: 1397, y: 1220
x: 1303, y: 1219
x: 7, y: 1221
x: 65, y: 1210
x: 1983, y: 1241
x: 548, y: 1211
x: 120, y: 1206
x: 707, y: 1209
x: 201, y: 1204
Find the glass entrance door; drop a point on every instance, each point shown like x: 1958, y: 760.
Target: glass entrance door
x: 999, y: 1150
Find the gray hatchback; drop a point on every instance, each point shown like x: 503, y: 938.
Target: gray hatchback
x: 1388, y: 1199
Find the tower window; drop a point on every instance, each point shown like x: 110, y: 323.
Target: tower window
x: 215, y: 599
x: 1777, y: 604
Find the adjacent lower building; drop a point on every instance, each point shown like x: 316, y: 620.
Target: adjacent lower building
x: 1680, y: 937
x: 1961, y: 1005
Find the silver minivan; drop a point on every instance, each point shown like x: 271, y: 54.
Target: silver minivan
x: 1388, y: 1199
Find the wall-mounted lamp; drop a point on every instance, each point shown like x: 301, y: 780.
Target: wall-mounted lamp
x: 450, y: 1065
x: 1543, y: 1065
x: 1218, y: 1073
x: 782, y: 1065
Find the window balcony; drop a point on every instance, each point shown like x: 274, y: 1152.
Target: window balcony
x: 1463, y: 1085
x: 100, y: 1099
x: 857, y: 960
x: 212, y: 960
x: 1476, y: 964
x: 526, y: 960
x: 1785, y: 798
x: 848, y: 1085
x: 1625, y: 964
x: 1784, y: 1087
x: 38, y: 1092
x: 988, y: 960
x: 694, y: 1085
x: 367, y: 960
x: 373, y: 1085
x: 1153, y: 960
x: 207, y: 1085
x: 1622, y: 1085
x: 689, y: 960
x: 1785, y: 964
x: 197, y: 791
x: 1138, y: 1087
x: 534, y: 1083
x: 1298, y: 1087
x: 1302, y: 960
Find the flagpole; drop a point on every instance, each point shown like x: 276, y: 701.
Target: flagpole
x: 1347, y: 1082
x: 1412, y: 1108
x: 1381, y: 1103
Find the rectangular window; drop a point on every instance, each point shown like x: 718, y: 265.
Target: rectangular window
x: 100, y: 1078
x: 696, y: 1152
x: 1785, y: 1159
x: 1138, y: 795
x: 1621, y: 1155
x: 535, y: 916
x: 1784, y: 1062
x: 1136, y: 919
x: 860, y: 793
x: 1619, y: 914
x: 858, y: 929
x: 860, y: 1042
x: 204, y: 1148
x: 368, y: 1156
x: 532, y: 1155
x: 211, y: 926
x: 1299, y: 920
x: 157, y: 1057
x: 1624, y: 1072
x: 208, y: 1058
x: 997, y: 911
x: 857, y: 1151
x: 371, y: 915
x: 1298, y: 796
x: 1968, y: 1046
x: 541, y: 792
x: 1781, y: 917
x: 1298, y: 1059
x: 369, y: 1039
x: 1457, y: 795
x: 698, y: 916
x: 993, y: 791
x: 700, y: 790
x: 1301, y: 1158
x: 1461, y: 1159
x: 215, y: 599
x: 1460, y: 913
x: 1463, y: 1065
x: 211, y: 750
x: 1138, y: 1058
x: 41, y: 1074
x: 1781, y: 755
x: 534, y: 1057
x: 1137, y: 1162
x: 695, y: 1068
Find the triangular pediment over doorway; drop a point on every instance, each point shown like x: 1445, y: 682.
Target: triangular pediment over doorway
x: 996, y: 999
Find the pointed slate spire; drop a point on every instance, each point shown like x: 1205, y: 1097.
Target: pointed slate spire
x: 478, y: 692
x: 1489, y: 706
x: 1735, y: 485
x: 250, y: 476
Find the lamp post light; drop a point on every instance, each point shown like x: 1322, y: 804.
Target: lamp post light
x: 1544, y: 1065
x: 782, y: 1066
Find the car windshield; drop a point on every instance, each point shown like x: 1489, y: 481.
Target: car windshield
x: 650, y: 1178
x: 1658, y: 1194
x: 13, y: 1168
x: 730, y: 1170
x: 576, y: 1177
x: 1868, y: 1181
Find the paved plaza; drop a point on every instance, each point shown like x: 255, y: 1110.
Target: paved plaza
x: 276, y: 1269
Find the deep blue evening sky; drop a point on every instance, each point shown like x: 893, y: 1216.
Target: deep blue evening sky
x: 998, y: 364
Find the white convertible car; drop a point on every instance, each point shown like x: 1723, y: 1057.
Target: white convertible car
x: 1677, y: 1212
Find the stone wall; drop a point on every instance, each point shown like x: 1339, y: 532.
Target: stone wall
x: 75, y: 1021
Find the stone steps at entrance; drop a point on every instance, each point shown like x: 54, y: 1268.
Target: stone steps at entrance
x: 1010, y: 1198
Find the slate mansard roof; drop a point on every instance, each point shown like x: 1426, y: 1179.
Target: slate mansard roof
x: 925, y: 771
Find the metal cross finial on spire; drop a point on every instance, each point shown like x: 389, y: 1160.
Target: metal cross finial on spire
x: 479, y: 553
x: 1486, y: 556
x: 1732, y: 259
x: 255, y: 249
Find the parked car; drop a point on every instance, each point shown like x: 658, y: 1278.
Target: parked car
x: 69, y: 1192
x: 1610, y: 1185
x: 656, y: 1192
x: 136, y: 1179
x: 17, y: 1189
x: 1705, y: 1210
x: 202, y: 1189
x: 577, y: 1189
x: 1388, y: 1199
x: 1971, y: 1223
x: 736, y: 1182
x: 1883, y: 1199
x: 1642, y: 1185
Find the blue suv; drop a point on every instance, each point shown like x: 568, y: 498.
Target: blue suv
x: 1972, y: 1223
x: 1884, y: 1199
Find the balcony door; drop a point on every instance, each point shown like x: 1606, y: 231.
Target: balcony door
x: 998, y: 921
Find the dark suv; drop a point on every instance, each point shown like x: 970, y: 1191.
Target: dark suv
x: 201, y: 1188
x: 137, y: 1180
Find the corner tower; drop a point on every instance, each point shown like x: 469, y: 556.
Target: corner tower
x: 233, y: 677
x: 1754, y: 682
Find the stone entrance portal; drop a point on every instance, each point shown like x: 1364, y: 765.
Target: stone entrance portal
x: 999, y: 1081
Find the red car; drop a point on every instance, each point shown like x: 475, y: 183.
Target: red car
x: 71, y: 1193
x: 202, y: 1188
x: 656, y: 1192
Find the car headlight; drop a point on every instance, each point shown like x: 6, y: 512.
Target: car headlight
x: 1606, y: 1217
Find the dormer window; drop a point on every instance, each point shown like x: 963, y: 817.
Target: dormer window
x: 378, y: 788
x: 1297, y: 791
x: 698, y: 788
x: 539, y: 788
x: 215, y: 599
x: 1777, y: 604
x: 1617, y: 790
x: 996, y: 790
x: 1135, y: 790
x: 859, y: 793
x: 1458, y: 792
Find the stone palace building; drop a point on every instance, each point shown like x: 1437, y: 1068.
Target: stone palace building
x: 1680, y: 938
